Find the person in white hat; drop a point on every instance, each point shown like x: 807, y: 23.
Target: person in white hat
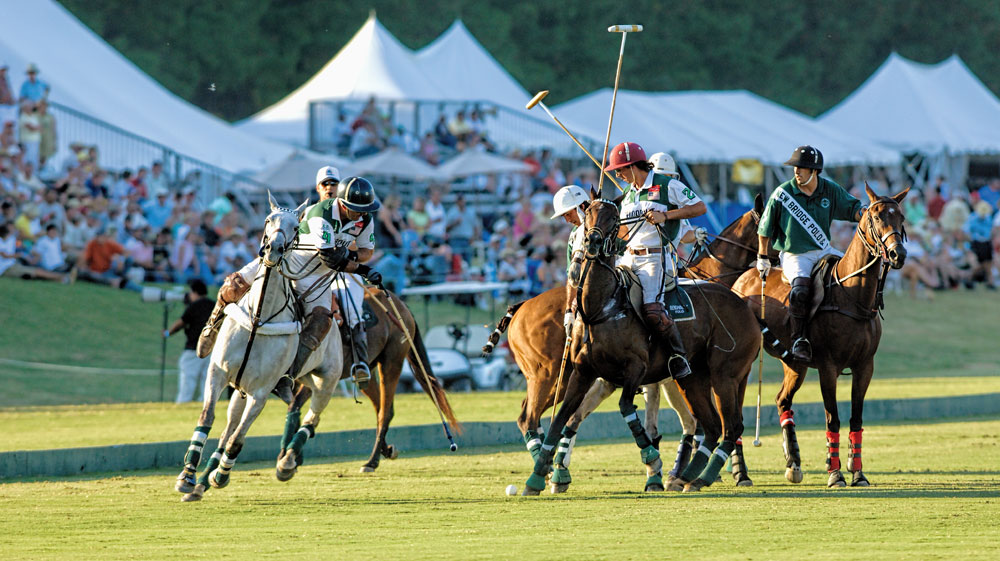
x: 569, y: 203
x: 32, y: 88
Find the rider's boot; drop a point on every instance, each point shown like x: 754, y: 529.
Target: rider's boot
x: 799, y: 300
x: 231, y: 291
x: 658, y: 321
x: 362, y: 374
x: 314, y: 329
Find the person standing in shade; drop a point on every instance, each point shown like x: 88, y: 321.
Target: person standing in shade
x: 191, y: 381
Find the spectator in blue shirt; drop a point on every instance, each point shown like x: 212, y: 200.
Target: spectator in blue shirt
x: 979, y: 228
x: 33, y: 88
x: 990, y: 192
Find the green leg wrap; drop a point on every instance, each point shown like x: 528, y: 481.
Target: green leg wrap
x: 638, y: 433
x: 649, y: 455
x: 299, y: 440
x: 213, y: 462
x: 715, y: 463
x: 533, y: 440
x: 193, y: 455
x: 535, y: 481
x: 698, y: 463
x: 560, y: 474
x: 291, y: 426
x: 654, y: 480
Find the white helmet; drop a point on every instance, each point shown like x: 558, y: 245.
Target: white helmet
x: 663, y: 164
x: 568, y: 198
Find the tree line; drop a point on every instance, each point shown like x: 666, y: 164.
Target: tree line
x: 236, y: 57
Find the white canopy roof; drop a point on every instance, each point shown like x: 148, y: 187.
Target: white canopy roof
x: 715, y: 127
x: 393, y: 162
x: 372, y: 63
x: 297, y: 172
x: 88, y: 75
x: 474, y: 162
x: 923, y: 108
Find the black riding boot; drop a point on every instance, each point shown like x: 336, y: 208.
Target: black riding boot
x: 663, y: 327
x: 362, y: 374
x: 314, y: 329
x: 799, y: 300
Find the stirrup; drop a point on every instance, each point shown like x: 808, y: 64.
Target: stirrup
x: 682, y: 371
x: 362, y: 374
x: 802, y: 349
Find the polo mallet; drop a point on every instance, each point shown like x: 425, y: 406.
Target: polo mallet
x: 624, y: 30
x: 562, y: 370
x: 537, y: 100
x: 423, y: 369
x: 760, y: 363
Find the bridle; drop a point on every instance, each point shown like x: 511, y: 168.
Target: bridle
x: 707, y: 250
x: 606, y: 249
x: 879, y: 249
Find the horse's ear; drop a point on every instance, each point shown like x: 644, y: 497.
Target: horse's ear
x: 758, y: 203
x: 594, y: 195
x: 898, y: 197
x: 302, y: 207
x: 271, y: 201
x: 872, y: 197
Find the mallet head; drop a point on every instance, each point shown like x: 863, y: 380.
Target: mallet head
x: 756, y: 443
x: 625, y: 29
x: 538, y: 98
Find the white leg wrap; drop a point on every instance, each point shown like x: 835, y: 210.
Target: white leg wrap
x: 633, y: 416
x: 547, y: 447
x: 225, y: 463
x: 197, y: 441
x: 533, y: 443
x: 702, y: 449
x: 721, y: 453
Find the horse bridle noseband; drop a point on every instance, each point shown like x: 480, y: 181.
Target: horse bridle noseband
x: 878, y: 249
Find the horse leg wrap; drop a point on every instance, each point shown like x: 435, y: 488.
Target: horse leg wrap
x: 854, y: 460
x: 789, y: 442
x: 698, y: 463
x: 832, y: 451
x: 739, y: 461
x: 193, y: 455
x: 533, y: 441
x: 301, y: 436
x: 683, y: 455
x: 292, y: 420
x: 560, y: 473
x: 639, y: 433
x: 715, y: 463
x: 213, y: 462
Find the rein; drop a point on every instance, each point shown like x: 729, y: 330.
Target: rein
x: 878, y: 251
x: 254, y: 325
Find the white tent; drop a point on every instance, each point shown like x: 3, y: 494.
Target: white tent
x: 474, y: 162
x: 715, y: 127
x: 88, y: 75
x: 941, y: 110
x: 373, y: 63
x: 297, y: 172
x: 395, y: 163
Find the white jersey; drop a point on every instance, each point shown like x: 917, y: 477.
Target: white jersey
x: 322, y: 227
x: 660, y: 193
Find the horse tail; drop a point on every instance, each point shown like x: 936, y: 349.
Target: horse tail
x: 494, y: 338
x: 772, y: 342
x: 417, y: 357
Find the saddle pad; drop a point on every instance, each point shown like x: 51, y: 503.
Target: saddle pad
x: 632, y: 287
x: 820, y: 280
x: 242, y: 318
x: 678, y: 303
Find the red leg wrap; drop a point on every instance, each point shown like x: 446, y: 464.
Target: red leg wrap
x: 854, y: 460
x: 788, y: 418
x: 832, y: 451
x: 739, y: 441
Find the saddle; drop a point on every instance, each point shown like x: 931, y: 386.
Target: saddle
x: 676, y: 299
x: 822, y: 277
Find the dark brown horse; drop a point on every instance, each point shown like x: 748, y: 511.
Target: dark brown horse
x: 610, y: 341
x: 536, y: 338
x: 388, y: 347
x: 845, y: 331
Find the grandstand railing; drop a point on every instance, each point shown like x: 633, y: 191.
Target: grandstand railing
x: 119, y: 149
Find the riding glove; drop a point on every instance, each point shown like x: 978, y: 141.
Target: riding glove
x: 568, y: 324
x: 763, y: 266
x: 700, y: 235
x: 334, y: 257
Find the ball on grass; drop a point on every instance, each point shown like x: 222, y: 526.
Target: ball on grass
x: 511, y: 490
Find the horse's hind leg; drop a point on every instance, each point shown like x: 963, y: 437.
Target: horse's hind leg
x: 323, y: 391
x: 596, y: 395
x: 740, y: 471
x: 292, y: 424
x: 688, y: 427
x: 559, y: 433
x: 725, y: 392
x: 698, y: 392
x: 626, y: 406
x: 539, y: 397
x: 794, y: 376
x: 382, y: 398
x: 861, y: 376
x: 186, y: 482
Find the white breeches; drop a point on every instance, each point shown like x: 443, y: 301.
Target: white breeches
x: 350, y: 307
x: 652, y: 276
x: 801, y: 265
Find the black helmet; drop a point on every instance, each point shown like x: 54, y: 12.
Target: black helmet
x: 806, y: 157
x: 358, y: 194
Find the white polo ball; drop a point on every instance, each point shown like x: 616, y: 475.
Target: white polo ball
x: 511, y: 490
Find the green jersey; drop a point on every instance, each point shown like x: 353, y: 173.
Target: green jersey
x: 828, y: 202
x: 323, y: 227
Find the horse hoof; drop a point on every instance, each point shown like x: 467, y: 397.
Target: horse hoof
x: 393, y: 452
x: 558, y: 488
x: 284, y: 475
x: 184, y: 484
x: 367, y: 469
x: 794, y: 474
x: 529, y: 492
x: 218, y: 479
x: 695, y: 486
x: 836, y: 479
x: 654, y: 488
x: 676, y: 485
x: 745, y: 482
x: 195, y: 495
x: 860, y: 480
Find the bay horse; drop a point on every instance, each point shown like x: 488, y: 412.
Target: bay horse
x: 387, y: 349
x: 255, y: 348
x: 845, y: 332
x: 610, y: 341
x: 536, y: 338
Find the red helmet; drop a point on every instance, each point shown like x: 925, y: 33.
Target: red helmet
x: 625, y: 154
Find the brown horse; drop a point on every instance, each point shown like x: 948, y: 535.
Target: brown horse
x: 388, y: 347
x: 845, y: 331
x: 536, y: 337
x: 610, y: 341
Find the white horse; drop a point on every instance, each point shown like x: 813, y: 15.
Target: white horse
x: 254, y: 368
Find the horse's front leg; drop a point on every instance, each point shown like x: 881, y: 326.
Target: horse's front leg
x: 236, y: 405
x: 650, y: 456
x: 254, y: 404
x: 214, y: 384
x: 559, y: 433
x: 828, y: 389
x: 597, y: 393
x: 861, y: 376
x: 688, y: 427
x: 794, y: 376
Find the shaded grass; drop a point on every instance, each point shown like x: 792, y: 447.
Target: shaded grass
x: 935, y: 496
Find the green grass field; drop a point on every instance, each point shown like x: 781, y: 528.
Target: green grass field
x: 935, y: 496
